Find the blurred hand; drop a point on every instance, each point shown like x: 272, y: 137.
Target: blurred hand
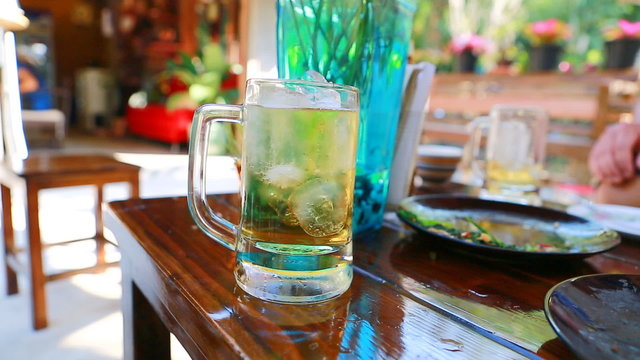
x: 627, y: 193
x: 613, y: 158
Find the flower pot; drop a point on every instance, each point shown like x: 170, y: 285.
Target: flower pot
x: 156, y: 122
x: 544, y: 57
x: 621, y: 53
x: 465, y: 62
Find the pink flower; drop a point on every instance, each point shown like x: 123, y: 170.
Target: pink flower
x: 545, y: 28
x: 548, y: 31
x: 625, y: 29
x: 472, y: 42
x: 629, y: 29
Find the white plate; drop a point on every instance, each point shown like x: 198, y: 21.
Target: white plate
x: 625, y: 219
x: 440, y: 151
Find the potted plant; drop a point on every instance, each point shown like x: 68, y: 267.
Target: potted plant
x: 466, y: 49
x: 622, y: 42
x: 164, y: 111
x: 546, y: 39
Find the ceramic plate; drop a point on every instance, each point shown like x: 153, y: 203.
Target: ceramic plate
x: 439, y: 151
x: 529, y: 232
x: 439, y: 155
x: 597, y: 316
x: 625, y: 219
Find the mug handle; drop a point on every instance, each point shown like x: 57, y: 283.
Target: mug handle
x: 216, y: 227
x: 476, y: 129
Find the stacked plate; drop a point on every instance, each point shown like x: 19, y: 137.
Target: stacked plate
x: 436, y: 163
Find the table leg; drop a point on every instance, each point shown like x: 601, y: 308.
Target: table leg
x: 38, y: 302
x: 9, y: 242
x: 100, y: 241
x: 135, y: 186
x: 145, y: 336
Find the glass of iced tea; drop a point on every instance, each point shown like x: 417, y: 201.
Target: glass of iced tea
x: 515, y: 151
x: 293, y: 242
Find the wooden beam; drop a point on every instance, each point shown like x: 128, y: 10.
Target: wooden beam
x: 243, y: 37
x: 187, y: 22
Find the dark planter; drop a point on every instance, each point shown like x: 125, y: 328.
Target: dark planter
x: 465, y: 62
x: 621, y: 53
x: 544, y: 57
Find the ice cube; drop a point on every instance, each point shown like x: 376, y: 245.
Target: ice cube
x: 287, y: 217
x: 281, y: 97
x: 296, y: 94
x: 320, y: 207
x: 277, y: 199
x: 319, y: 97
x: 312, y: 75
x: 326, y: 99
x: 284, y: 176
x: 271, y: 194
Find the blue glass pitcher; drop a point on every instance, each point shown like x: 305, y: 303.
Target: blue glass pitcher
x: 364, y: 43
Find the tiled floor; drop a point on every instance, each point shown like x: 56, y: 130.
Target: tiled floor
x: 84, y: 310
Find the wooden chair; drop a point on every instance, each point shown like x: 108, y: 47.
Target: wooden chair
x: 415, y: 101
x: 615, y: 104
x: 55, y: 119
x: 20, y: 174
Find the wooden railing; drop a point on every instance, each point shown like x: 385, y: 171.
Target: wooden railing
x: 579, y: 105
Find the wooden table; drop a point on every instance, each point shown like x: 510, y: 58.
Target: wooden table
x: 39, y: 172
x: 408, y: 299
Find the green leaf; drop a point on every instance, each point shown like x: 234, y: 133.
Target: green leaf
x: 180, y: 100
x: 213, y: 58
x: 210, y: 78
x: 201, y: 93
x: 422, y: 220
x: 185, y: 76
x: 187, y: 63
x: 171, y: 66
x: 483, y: 230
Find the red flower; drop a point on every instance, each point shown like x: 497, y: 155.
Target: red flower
x: 230, y: 81
x: 173, y: 85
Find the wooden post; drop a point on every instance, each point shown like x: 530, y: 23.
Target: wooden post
x: 187, y: 26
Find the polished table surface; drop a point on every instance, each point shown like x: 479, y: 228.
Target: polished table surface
x: 408, y: 299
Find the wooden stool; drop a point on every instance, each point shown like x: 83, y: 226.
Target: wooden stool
x: 45, y: 172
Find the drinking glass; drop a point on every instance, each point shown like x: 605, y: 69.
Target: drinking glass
x: 470, y: 169
x: 515, y: 152
x: 293, y: 242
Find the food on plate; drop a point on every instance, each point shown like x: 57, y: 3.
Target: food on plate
x: 487, y: 232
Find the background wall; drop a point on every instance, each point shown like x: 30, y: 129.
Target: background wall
x: 77, y: 38
x: 261, y: 40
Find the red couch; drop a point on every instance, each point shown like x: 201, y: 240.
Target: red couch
x: 157, y: 123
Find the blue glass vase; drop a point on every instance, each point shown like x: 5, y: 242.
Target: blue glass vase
x: 364, y: 43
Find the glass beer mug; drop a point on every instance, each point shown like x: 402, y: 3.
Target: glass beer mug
x: 513, y: 158
x: 293, y: 242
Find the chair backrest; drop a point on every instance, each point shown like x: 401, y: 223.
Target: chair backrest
x: 14, y: 143
x: 63, y: 100
x: 616, y: 102
x: 415, y: 103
